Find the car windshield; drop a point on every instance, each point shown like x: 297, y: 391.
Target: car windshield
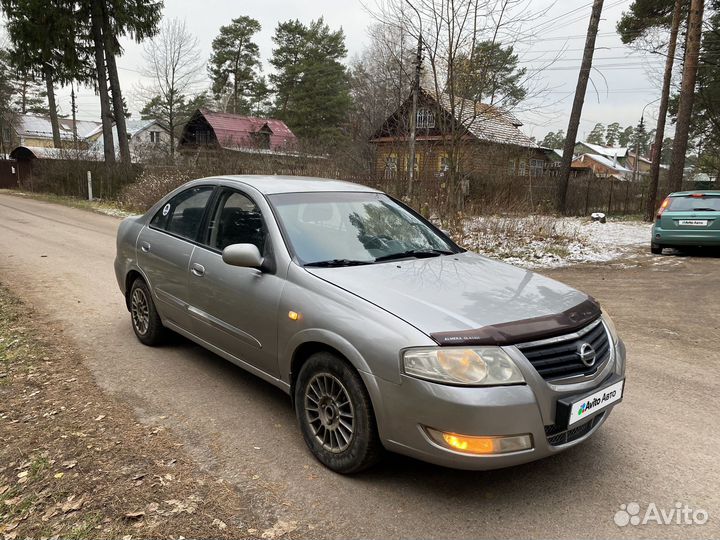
x: 696, y: 203
x: 348, y: 228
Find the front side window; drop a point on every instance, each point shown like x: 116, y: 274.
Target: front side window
x: 183, y: 214
x: 237, y: 220
x: 358, y: 227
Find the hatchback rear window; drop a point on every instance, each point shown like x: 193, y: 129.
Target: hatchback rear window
x: 697, y: 204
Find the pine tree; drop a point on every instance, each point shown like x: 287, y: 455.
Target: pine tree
x: 6, y: 110
x: 235, y: 67
x: 612, y: 134
x: 554, y: 140
x: 139, y: 19
x: 43, y: 38
x: 626, y: 137
x: 491, y: 75
x: 311, y: 84
x: 597, y: 135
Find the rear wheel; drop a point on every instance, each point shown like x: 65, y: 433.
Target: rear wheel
x: 145, y: 320
x: 335, y: 414
x: 656, y: 249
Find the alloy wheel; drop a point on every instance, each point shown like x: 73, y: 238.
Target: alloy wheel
x: 140, y: 311
x: 330, y: 413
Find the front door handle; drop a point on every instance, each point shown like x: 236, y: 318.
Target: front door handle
x: 145, y: 246
x: 197, y: 269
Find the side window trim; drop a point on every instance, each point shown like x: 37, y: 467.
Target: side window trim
x: 210, y: 203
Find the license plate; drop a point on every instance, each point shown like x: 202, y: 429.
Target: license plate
x: 572, y: 410
x: 693, y: 222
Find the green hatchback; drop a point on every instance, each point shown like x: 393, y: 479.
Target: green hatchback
x: 687, y: 219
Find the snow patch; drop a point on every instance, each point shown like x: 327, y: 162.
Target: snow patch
x: 549, y: 242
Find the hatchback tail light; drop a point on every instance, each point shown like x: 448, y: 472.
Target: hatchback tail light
x: 663, y: 207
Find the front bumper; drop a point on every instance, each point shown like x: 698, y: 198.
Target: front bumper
x: 685, y: 237
x: 405, y: 409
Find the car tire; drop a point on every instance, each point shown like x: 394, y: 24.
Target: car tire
x: 656, y: 249
x: 335, y: 414
x: 144, y: 317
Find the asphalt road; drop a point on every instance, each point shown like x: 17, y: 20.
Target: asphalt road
x: 659, y: 446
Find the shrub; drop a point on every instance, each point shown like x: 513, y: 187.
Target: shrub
x: 151, y: 186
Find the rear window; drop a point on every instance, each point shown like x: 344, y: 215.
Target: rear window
x: 697, y: 204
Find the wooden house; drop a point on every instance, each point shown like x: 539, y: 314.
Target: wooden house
x: 481, y: 140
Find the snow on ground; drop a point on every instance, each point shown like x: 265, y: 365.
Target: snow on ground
x: 547, y: 241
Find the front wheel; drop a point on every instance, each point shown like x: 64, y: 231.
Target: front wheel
x: 335, y: 414
x: 145, y: 320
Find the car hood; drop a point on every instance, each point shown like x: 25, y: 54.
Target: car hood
x: 455, y: 293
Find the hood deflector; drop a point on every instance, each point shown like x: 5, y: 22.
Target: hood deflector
x: 525, y: 330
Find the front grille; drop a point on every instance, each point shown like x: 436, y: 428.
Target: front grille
x: 557, y: 435
x: 558, y: 358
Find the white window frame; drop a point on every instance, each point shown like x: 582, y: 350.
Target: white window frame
x: 425, y: 118
x: 537, y: 167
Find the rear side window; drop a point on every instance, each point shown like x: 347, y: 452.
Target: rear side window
x: 697, y: 204
x: 182, y: 214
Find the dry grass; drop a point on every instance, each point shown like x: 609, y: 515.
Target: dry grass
x: 75, y: 463
x: 523, y: 238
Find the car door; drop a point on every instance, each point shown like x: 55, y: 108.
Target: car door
x: 164, y: 248
x: 234, y: 308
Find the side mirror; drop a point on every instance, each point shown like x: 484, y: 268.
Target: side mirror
x: 245, y: 255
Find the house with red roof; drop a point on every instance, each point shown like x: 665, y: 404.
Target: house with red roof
x: 211, y: 130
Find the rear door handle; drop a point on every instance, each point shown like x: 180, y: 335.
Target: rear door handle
x: 145, y: 246
x: 197, y: 269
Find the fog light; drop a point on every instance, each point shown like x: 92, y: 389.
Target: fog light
x: 469, y: 444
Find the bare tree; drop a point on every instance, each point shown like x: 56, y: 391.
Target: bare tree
x: 651, y: 203
x: 578, y: 102
x: 687, y: 94
x: 175, y: 67
x: 449, y: 31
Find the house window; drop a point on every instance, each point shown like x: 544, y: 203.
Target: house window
x: 536, y: 167
x: 261, y: 139
x: 391, y: 166
x: 522, y: 166
x: 511, y: 166
x: 425, y: 118
x: 155, y: 136
x: 443, y: 164
x: 416, y: 165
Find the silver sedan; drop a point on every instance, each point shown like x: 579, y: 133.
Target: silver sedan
x: 384, y: 332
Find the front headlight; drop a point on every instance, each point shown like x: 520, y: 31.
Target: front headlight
x: 610, y: 325
x: 477, y: 366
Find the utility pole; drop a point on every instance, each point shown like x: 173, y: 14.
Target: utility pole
x: 651, y: 199
x: 585, y: 67
x: 640, y: 131
x: 687, y: 94
x: 413, y: 117
x: 73, y: 106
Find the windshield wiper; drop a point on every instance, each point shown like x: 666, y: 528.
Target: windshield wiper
x: 416, y: 253
x: 333, y: 263
x: 705, y: 210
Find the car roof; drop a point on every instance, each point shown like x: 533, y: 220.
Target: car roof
x: 695, y: 192
x: 271, y: 185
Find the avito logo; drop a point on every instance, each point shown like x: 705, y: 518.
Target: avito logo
x: 585, y: 407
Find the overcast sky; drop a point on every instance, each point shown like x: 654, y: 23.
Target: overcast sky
x: 625, y: 80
